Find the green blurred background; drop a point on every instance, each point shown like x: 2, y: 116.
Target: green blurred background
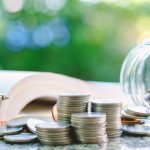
x: 88, y: 39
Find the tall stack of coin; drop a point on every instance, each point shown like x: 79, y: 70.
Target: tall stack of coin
x: 113, y: 115
x: 70, y: 103
x: 89, y: 127
x: 54, y: 133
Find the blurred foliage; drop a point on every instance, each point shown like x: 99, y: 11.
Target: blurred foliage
x: 99, y: 35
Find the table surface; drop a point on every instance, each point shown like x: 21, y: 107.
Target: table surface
x: 122, y: 143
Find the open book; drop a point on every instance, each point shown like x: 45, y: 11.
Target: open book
x: 23, y: 88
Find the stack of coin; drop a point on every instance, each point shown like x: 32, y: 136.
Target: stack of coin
x: 54, y: 133
x: 113, y: 115
x: 89, y: 128
x: 136, y: 112
x: 17, y: 129
x: 135, y: 115
x: 70, y: 103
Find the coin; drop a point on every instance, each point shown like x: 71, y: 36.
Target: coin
x: 74, y: 94
x: 136, y: 129
x: 139, y: 111
x: 22, y: 121
x: 52, y: 126
x: 20, y: 138
x: 125, y: 114
x: 106, y: 102
x: 88, y: 115
x: 32, y: 122
x: 4, y: 130
x: 57, y: 143
x: 126, y: 120
x: 54, y: 112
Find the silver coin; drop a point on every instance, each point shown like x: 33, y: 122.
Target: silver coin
x: 88, y: 121
x: 138, y: 110
x: 90, y: 134
x: 32, y: 122
x: 65, y: 111
x: 20, y: 138
x: 56, y: 137
x: 125, y: 114
x: 89, y: 115
x: 53, y: 126
x: 136, y: 129
x: 57, y: 143
x: 5, y: 130
x: 74, y: 94
x: 65, y: 133
x: 89, y: 126
x: 72, y: 104
x: 106, y: 102
x: 22, y: 121
x: 74, y: 107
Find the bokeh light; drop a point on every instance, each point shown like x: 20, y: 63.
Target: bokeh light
x: 89, y: 38
x: 43, y: 36
x: 16, y: 36
x: 55, y: 5
x: 13, y: 5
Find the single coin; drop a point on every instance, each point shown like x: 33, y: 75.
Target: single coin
x: 106, y: 102
x: 92, y: 115
x: 20, y: 138
x: 22, y: 121
x: 137, y: 129
x: 138, y: 110
x: 65, y: 133
x: 74, y: 94
x: 52, y: 126
x: 124, y: 113
x: 125, y: 120
x: 4, y: 130
x: 54, y: 113
x: 48, y: 142
x: 32, y: 122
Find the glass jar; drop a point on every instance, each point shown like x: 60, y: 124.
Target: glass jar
x: 135, y: 76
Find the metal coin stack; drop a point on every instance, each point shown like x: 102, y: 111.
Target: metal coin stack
x: 70, y: 103
x: 113, y: 115
x: 89, y: 128
x: 140, y: 115
x: 54, y: 133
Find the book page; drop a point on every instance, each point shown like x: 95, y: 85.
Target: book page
x: 9, y: 78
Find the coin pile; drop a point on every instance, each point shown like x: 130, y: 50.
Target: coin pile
x: 54, y: 133
x: 89, y: 127
x: 137, y: 113
x: 70, y: 103
x: 112, y: 109
x: 137, y: 129
x: 17, y: 129
x: 137, y: 121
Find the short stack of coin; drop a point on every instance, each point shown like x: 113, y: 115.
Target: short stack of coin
x: 70, y: 103
x: 54, y: 133
x: 89, y: 128
x: 134, y: 119
x: 137, y: 113
x: 112, y: 109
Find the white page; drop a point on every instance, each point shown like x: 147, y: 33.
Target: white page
x: 9, y: 78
